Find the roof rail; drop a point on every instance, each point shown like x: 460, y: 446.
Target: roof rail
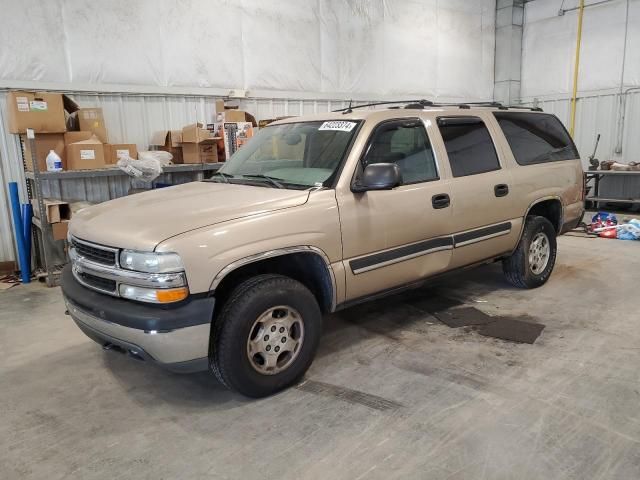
x: 421, y: 104
x: 350, y: 108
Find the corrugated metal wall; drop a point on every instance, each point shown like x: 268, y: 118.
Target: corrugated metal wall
x: 132, y: 119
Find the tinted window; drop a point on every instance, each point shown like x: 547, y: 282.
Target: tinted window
x: 536, y: 137
x: 469, y: 146
x: 407, y: 145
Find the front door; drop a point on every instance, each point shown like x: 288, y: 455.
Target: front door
x: 394, y: 237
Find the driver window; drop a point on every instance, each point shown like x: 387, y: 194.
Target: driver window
x: 406, y: 144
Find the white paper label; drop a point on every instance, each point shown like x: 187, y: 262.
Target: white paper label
x: 38, y: 105
x: 87, y: 155
x: 23, y: 104
x: 122, y: 154
x: 338, y: 125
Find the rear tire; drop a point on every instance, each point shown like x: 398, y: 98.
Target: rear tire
x: 266, y: 336
x: 532, y: 262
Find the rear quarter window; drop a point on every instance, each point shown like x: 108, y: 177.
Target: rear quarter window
x: 536, y: 137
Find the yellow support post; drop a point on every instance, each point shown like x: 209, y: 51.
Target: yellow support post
x: 576, y: 68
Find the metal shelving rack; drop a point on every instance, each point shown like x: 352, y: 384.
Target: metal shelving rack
x: 42, y: 234
x: 41, y: 231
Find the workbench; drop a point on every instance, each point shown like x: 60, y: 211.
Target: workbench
x: 622, y: 186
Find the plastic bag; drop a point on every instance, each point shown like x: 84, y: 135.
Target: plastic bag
x: 147, y: 169
x: 160, y: 155
x: 629, y: 231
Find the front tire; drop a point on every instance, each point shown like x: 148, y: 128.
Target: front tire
x: 532, y: 262
x: 266, y: 336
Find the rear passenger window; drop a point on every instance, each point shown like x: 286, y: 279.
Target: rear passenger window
x: 469, y: 145
x: 536, y: 137
x: 406, y: 144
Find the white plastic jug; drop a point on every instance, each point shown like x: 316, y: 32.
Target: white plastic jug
x: 54, y: 162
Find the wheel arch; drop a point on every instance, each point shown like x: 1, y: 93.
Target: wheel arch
x: 307, y: 264
x: 550, y: 207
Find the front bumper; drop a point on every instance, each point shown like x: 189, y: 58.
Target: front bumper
x: 176, y: 338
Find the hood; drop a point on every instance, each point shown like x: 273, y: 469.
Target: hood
x: 143, y: 220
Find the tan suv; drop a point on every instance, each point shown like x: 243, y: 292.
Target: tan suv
x: 315, y: 214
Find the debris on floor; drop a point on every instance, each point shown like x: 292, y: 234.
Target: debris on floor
x: 606, y: 225
x: 8, y: 281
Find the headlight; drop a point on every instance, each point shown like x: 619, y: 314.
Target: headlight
x: 151, y: 262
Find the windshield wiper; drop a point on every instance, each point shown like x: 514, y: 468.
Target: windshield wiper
x: 273, y: 181
x: 224, y: 176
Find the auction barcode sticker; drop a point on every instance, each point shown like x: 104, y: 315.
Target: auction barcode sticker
x: 338, y: 125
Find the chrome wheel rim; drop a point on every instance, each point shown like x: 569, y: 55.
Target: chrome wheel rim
x: 539, y: 253
x: 275, y: 340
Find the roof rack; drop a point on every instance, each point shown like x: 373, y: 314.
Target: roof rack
x: 421, y: 104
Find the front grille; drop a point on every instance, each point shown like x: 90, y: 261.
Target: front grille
x: 99, y: 283
x: 94, y: 253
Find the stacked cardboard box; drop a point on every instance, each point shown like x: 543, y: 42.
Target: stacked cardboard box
x: 77, y: 135
x: 58, y: 214
x: 46, y: 114
x: 199, y: 145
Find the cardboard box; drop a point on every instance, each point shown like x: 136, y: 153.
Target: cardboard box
x: 168, y: 141
x: 56, y: 210
x: 195, y: 133
x: 234, y: 115
x: 42, y: 111
x: 73, y: 137
x: 44, y: 143
x: 85, y: 155
x: 59, y: 230
x: 202, y: 152
x: 199, y: 145
x: 219, y: 106
x: 92, y: 120
x: 115, y: 151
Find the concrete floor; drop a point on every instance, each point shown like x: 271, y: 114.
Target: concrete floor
x: 392, y: 394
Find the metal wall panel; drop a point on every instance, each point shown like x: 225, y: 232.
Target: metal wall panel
x: 130, y: 118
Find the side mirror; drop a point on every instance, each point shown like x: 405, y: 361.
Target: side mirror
x: 379, y: 176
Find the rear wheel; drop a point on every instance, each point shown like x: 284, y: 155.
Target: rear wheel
x: 533, y: 260
x: 266, y: 336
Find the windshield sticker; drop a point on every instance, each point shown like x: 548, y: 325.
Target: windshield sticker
x: 338, y: 125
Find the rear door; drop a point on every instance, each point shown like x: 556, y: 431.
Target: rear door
x: 394, y: 237
x: 485, y: 220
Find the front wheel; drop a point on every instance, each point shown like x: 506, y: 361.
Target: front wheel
x: 266, y: 335
x: 532, y: 262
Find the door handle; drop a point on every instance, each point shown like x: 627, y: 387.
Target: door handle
x: 441, y: 200
x: 501, y: 190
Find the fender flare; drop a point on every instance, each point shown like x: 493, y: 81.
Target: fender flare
x: 533, y: 204
x: 278, y: 253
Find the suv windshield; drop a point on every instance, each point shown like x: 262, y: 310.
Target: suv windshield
x: 293, y: 155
